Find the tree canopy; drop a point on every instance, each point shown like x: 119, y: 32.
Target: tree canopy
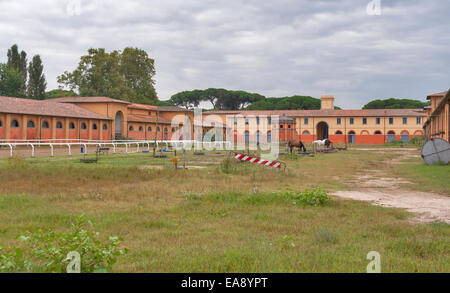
x: 126, y: 75
x: 393, y: 103
x: 36, y: 84
x: 59, y: 94
x: 286, y: 103
x: 220, y: 99
x: 11, y: 82
x: 18, y: 61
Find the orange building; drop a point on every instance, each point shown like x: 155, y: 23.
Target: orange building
x: 374, y: 126
x: 87, y: 118
x: 103, y: 118
x: 438, y: 121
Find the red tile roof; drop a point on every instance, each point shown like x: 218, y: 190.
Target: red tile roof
x: 325, y: 113
x: 147, y: 119
x: 143, y: 107
x: 173, y: 109
x: 441, y: 94
x: 87, y: 100
x: 45, y: 108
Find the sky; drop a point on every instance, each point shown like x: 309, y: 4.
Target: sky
x: 349, y: 48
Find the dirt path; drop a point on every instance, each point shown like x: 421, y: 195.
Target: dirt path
x: 386, y: 191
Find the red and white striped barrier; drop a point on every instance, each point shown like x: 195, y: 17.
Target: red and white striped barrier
x: 256, y: 160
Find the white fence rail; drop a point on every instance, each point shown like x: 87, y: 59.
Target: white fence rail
x: 52, y: 143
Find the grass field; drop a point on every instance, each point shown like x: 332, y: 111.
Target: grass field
x: 226, y: 217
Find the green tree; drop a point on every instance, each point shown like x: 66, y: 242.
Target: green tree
x: 36, y: 84
x: 18, y: 61
x: 126, y: 75
x: 11, y: 82
x: 58, y: 93
x: 286, y: 103
x: 393, y: 103
x: 221, y: 99
x: 187, y: 99
x: 138, y: 70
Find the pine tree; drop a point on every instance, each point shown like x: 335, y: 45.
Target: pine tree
x: 18, y: 62
x: 36, y: 84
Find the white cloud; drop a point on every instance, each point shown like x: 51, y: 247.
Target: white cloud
x: 278, y: 48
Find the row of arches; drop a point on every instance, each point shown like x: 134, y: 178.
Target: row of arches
x: 150, y: 129
x: 366, y: 132
x: 59, y: 125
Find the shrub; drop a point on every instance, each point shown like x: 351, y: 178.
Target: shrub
x: 291, y: 156
x: 48, y: 250
x: 313, y: 197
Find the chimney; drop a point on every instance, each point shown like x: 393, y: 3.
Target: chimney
x: 327, y: 103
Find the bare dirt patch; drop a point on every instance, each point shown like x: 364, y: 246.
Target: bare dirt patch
x: 377, y: 188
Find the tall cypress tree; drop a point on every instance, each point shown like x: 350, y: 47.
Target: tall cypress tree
x: 18, y: 62
x: 36, y: 84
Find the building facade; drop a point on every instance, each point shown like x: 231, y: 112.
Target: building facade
x: 87, y: 118
x: 374, y: 126
x: 103, y: 118
x: 437, y: 124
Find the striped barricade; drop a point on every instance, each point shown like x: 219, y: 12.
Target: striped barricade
x: 256, y: 160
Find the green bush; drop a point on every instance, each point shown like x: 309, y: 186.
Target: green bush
x: 47, y: 250
x: 291, y: 156
x: 312, y: 197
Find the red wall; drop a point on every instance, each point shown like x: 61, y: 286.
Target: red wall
x: 16, y: 133
x: 60, y: 134
x: 84, y: 134
x: 46, y: 133
x: 105, y: 135
x: 32, y: 133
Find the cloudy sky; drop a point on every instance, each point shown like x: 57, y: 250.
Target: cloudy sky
x: 276, y: 48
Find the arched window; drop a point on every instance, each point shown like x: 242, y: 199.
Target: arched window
x: 83, y: 126
x: 45, y: 125
x: 14, y: 124
x: 59, y: 125
x: 149, y: 129
x: 247, y: 137
x: 257, y: 137
x: 269, y: 136
x: 339, y: 132
x: 131, y: 128
x: 30, y: 124
x: 306, y: 132
x: 165, y: 133
x: 351, y: 136
x: 364, y: 132
x: 141, y: 128
x: 405, y: 136
x: 105, y: 127
x: 94, y: 126
x: 71, y: 125
x: 391, y: 136
x: 377, y: 132
x: 173, y: 129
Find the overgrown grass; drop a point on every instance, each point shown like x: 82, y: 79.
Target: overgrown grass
x: 427, y: 178
x: 209, y: 220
